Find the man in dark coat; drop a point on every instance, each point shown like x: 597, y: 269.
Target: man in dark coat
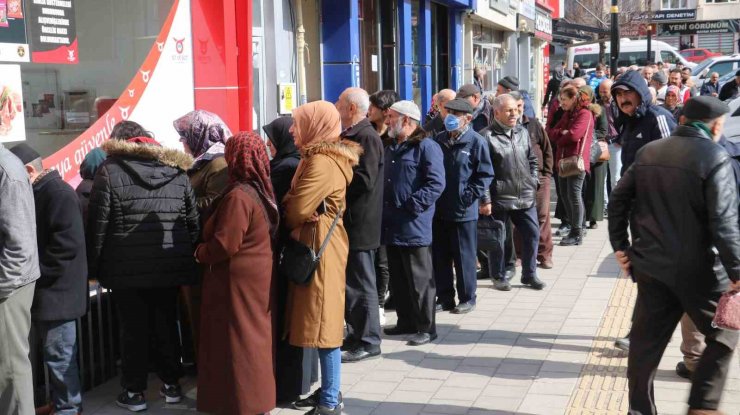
x: 731, y: 89
x: 437, y: 124
x: 671, y: 255
x: 481, y: 107
x: 362, y: 219
x: 61, y: 293
x: 468, y: 173
x: 510, y: 84
x: 142, y: 229
x: 414, y: 173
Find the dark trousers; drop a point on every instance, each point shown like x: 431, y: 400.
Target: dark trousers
x: 455, y: 242
x: 528, y: 226
x: 657, y: 311
x: 148, y: 314
x: 361, y: 300
x: 571, y: 189
x: 413, y: 285
x: 509, y: 251
x: 560, y: 210
x: 545, y: 247
x: 382, y: 274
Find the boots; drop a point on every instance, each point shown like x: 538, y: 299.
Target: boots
x: 575, y: 237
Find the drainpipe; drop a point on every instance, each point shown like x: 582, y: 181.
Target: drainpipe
x: 300, y: 41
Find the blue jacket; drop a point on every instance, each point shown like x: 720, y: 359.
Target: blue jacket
x: 468, y: 173
x: 528, y: 106
x: 594, y: 82
x: 708, y: 88
x: 414, y: 180
x: 650, y: 122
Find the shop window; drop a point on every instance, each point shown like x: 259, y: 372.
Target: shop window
x: 721, y: 1
x: 415, y: 67
x: 440, y: 47
x: 369, y: 45
x: 676, y: 4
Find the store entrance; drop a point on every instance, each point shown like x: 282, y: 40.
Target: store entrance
x: 440, y: 47
x: 377, y: 44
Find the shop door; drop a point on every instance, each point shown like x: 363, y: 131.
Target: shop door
x: 258, y: 68
x: 370, y: 68
x: 388, y: 41
x: 440, y: 48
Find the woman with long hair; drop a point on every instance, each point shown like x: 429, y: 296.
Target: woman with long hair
x: 236, y: 358
x: 573, y: 135
x: 317, y: 196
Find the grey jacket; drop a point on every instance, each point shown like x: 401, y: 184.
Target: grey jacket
x: 19, y: 258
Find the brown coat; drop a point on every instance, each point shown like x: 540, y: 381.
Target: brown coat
x: 236, y: 359
x: 316, y: 311
x: 208, y: 182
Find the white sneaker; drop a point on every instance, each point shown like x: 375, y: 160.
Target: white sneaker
x: 382, y: 316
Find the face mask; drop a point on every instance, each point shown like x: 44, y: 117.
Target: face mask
x: 452, y: 123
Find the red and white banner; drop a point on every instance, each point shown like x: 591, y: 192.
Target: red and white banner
x: 160, y: 92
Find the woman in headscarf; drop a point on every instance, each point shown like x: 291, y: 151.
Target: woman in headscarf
x: 203, y: 135
x: 236, y: 371
x: 596, y: 180
x: 316, y: 197
x: 285, y: 155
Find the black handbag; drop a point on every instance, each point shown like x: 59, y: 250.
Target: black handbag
x: 490, y: 233
x: 298, y: 262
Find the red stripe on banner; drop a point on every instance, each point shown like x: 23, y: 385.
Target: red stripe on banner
x: 63, y: 54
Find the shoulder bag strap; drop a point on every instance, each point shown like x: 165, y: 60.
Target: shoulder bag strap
x: 328, y: 235
x: 583, y: 141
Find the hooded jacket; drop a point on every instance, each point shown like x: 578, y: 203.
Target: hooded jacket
x: 649, y: 122
x: 673, y: 232
x: 415, y: 178
x: 142, y: 221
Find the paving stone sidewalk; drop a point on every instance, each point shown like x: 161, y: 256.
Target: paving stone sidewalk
x: 520, y: 352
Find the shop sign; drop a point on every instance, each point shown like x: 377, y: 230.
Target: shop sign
x: 499, y: 5
x: 527, y: 9
x: 543, y: 25
x: 690, y: 28
x: 53, y: 31
x: 665, y: 15
x: 288, y: 98
x: 13, y: 41
x: 525, y: 24
x: 12, y: 120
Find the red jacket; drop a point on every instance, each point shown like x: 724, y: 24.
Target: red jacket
x: 579, y: 124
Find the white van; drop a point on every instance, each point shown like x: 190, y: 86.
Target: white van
x: 631, y: 52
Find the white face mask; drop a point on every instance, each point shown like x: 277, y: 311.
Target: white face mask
x: 395, y: 129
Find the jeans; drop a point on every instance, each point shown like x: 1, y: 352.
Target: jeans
x: 331, y: 365
x: 572, y: 191
x: 361, y: 301
x: 59, y: 339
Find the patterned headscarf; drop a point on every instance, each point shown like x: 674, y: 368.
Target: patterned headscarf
x: 586, y: 95
x: 246, y: 157
x: 201, y: 130
x: 316, y: 121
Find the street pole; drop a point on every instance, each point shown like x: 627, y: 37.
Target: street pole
x: 300, y: 56
x: 649, y: 42
x: 614, y: 53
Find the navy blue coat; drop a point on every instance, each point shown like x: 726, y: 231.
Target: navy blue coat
x: 468, y: 174
x: 414, y: 180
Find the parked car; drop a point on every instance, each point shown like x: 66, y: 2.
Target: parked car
x: 631, y: 52
x: 732, y: 124
x: 698, y: 54
x: 720, y: 64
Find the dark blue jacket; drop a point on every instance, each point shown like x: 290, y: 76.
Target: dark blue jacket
x: 650, y: 122
x: 528, y: 106
x: 733, y: 149
x: 468, y: 173
x: 708, y: 88
x: 414, y: 180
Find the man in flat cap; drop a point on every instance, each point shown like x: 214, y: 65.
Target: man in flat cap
x: 510, y: 84
x: 61, y: 292
x: 414, y: 180
x: 671, y: 254
x: 468, y: 173
x: 481, y: 107
x: 731, y: 89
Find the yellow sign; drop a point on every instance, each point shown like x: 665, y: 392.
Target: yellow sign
x: 287, y: 98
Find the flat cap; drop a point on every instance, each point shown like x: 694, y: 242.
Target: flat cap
x: 25, y: 152
x: 510, y: 82
x: 407, y: 108
x: 704, y: 108
x: 459, y: 105
x: 660, y: 78
x: 467, y: 90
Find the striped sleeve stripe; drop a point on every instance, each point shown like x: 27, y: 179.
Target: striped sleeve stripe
x: 663, y: 125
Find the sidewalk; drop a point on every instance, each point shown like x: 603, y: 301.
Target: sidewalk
x: 520, y: 352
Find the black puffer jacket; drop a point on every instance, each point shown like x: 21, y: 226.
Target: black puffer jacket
x: 680, y: 199
x: 142, y: 220
x: 515, y: 172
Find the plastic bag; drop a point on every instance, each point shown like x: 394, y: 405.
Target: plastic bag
x: 727, y: 315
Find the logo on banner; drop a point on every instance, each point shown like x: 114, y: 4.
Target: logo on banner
x: 145, y: 76
x: 124, y: 112
x: 180, y: 55
x: 71, y: 55
x: 160, y: 46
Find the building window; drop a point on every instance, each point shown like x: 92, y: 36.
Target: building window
x: 721, y: 1
x: 676, y: 4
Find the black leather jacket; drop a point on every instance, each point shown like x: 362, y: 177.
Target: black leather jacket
x: 680, y: 199
x: 515, y: 172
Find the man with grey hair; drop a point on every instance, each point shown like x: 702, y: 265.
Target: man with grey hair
x: 437, y: 124
x: 19, y: 270
x: 513, y: 190
x: 362, y: 220
x: 711, y: 86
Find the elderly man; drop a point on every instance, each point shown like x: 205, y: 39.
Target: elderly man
x: 19, y: 270
x: 711, y: 86
x: 513, y: 191
x: 647, y: 73
x: 731, y: 89
x: 660, y: 82
x: 511, y: 83
x: 672, y: 260
x: 437, y: 124
x: 468, y: 173
x: 415, y: 178
x: 362, y: 219
x: 481, y: 107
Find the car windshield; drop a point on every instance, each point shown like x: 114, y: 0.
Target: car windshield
x: 726, y: 77
x: 700, y: 67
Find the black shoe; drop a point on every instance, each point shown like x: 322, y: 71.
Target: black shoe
x: 444, y: 306
x: 464, y: 308
x: 533, y: 282
x: 563, y: 230
x: 312, y: 400
x: 574, y: 238
x: 348, y: 344
x: 134, y: 402
x: 593, y: 225
x: 510, y: 273
x: 481, y: 274
x: 623, y: 344
x: 322, y: 410
x: 683, y: 371
x: 420, y: 339
x: 397, y: 331
x: 501, y: 284
x: 171, y: 393
x: 359, y: 354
